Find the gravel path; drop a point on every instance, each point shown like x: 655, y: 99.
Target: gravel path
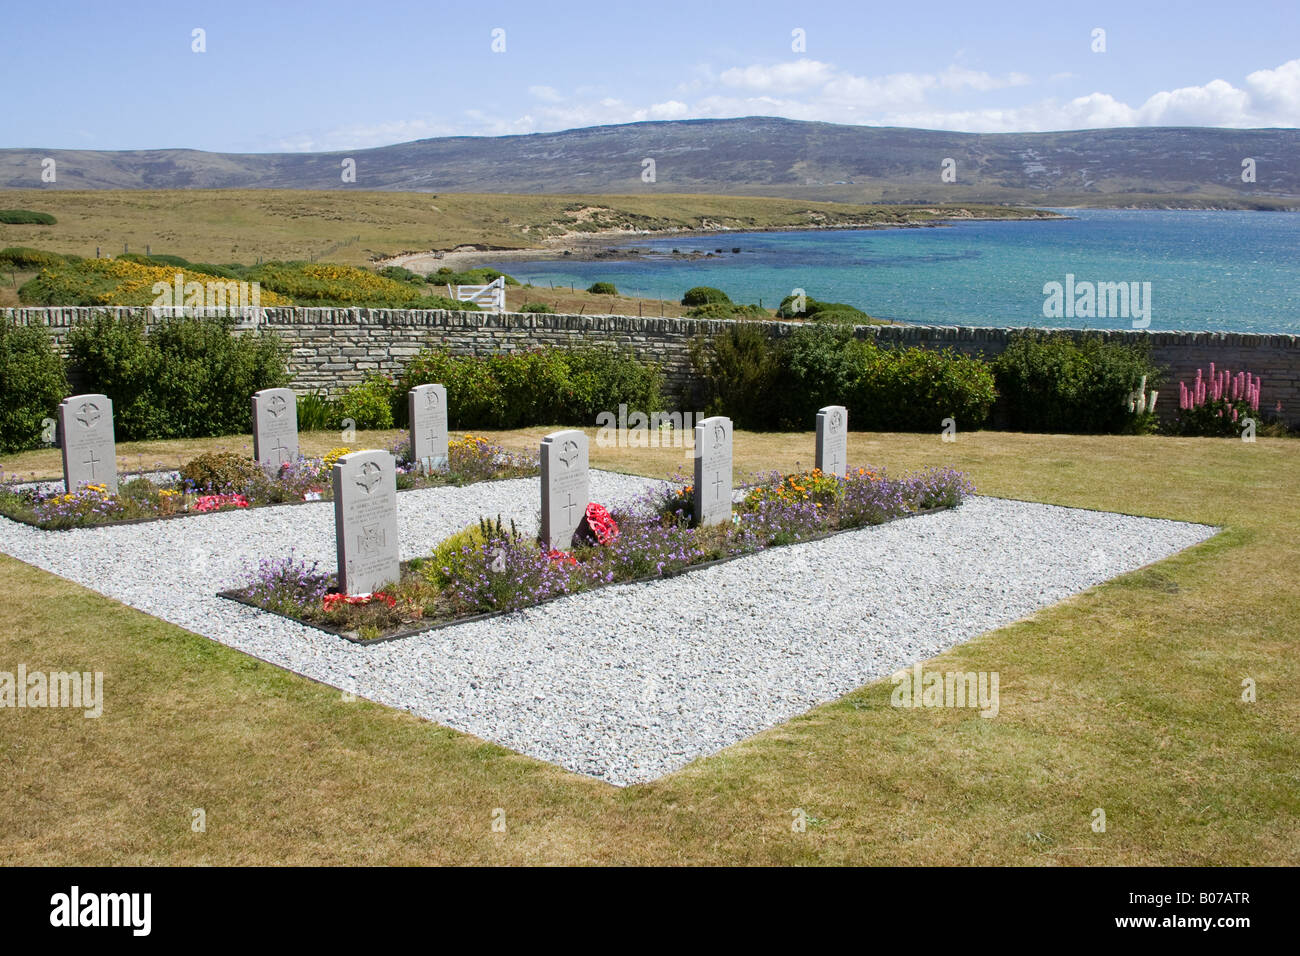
x: 633, y: 681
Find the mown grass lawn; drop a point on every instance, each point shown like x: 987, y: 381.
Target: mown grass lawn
x: 1127, y: 698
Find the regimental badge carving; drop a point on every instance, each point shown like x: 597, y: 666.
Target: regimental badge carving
x: 568, y: 453
x: 431, y: 398
x: 276, y: 406
x: 88, y: 415
x: 368, y: 477
x: 837, y: 419
x: 719, y: 435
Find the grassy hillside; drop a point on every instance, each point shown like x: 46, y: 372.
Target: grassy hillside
x: 353, y: 227
x: 756, y: 155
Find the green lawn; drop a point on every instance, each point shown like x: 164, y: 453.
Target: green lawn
x: 1126, y: 697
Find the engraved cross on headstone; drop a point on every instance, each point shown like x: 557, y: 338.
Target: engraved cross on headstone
x: 91, y: 461
x: 568, y: 509
x: 717, y: 485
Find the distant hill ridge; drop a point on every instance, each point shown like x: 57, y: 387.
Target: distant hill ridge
x: 752, y: 155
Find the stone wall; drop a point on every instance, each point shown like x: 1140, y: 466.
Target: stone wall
x: 332, y: 349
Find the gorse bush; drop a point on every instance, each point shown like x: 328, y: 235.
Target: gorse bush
x: 324, y: 284
x: 25, y: 217
x: 602, y: 288
x: 539, y: 387
x: 185, y: 378
x: 21, y: 257
x: 1053, y: 382
x: 122, y: 281
x: 32, y: 384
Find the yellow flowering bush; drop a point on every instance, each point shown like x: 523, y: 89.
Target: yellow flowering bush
x: 332, y: 457
x: 123, y: 282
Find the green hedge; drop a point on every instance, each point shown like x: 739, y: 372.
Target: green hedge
x: 764, y: 384
x: 1051, y: 382
x: 186, y: 378
x: 539, y: 387
x: 32, y: 384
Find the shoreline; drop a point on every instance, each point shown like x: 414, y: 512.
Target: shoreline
x: 593, y: 246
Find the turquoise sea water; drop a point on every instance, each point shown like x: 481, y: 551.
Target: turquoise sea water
x: 1221, y: 271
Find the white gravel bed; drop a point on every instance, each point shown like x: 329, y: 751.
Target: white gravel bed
x: 633, y: 681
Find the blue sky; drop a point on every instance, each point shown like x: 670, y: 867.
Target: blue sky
x: 346, y: 75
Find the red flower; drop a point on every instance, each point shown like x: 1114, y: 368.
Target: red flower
x: 561, y: 557
x: 601, y: 524
x: 213, y: 502
x: 331, y: 601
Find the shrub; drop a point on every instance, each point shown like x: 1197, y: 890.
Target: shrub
x: 1053, y: 382
x: 602, y: 288
x: 821, y: 311
x: 819, y: 365
x: 121, y: 281
x: 447, y: 276
x: 764, y: 385
x: 22, y: 257
x: 158, y: 260
x: 916, y: 389
x: 740, y: 369
x: 32, y: 384
x: 539, y: 387
x: 222, y: 472
x: 726, y: 310
x: 703, y: 295
x: 400, y: 274
x: 539, y: 307
x: 25, y: 217
x: 324, y: 284
x: 369, y: 405
x: 187, y: 378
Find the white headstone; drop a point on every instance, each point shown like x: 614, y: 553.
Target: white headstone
x: 427, y: 407
x: 86, y: 438
x: 566, y: 487
x: 832, y: 455
x: 275, y: 427
x: 713, y: 470
x: 365, y: 521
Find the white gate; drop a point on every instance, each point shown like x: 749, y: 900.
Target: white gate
x: 491, y: 296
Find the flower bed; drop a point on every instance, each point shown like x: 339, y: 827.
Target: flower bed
x: 492, y: 568
x: 226, y: 481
